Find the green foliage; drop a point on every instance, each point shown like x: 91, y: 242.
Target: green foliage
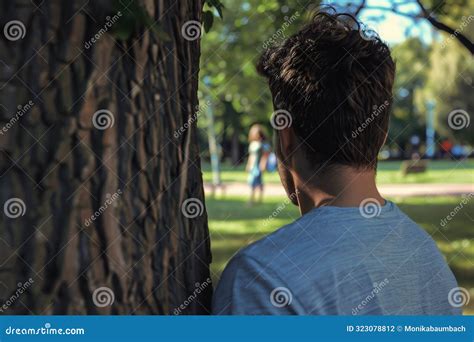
x: 240, y: 97
x: 217, y: 5
x: 449, y: 12
x: 450, y: 83
x: 208, y: 20
x: 442, y: 72
x: 229, y: 54
x: 208, y: 13
x: 411, y: 57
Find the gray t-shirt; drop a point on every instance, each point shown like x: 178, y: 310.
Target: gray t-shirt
x: 335, y: 261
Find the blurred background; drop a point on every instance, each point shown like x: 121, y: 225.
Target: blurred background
x: 426, y: 165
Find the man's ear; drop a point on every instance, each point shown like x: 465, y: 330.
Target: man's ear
x: 286, y: 140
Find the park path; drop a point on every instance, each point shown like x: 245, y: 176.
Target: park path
x: 389, y: 190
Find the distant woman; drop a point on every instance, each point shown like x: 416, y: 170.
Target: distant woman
x: 259, y: 150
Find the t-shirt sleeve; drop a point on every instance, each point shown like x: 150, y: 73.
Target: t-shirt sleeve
x: 249, y: 288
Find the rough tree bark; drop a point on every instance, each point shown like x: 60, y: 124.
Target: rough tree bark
x: 103, y: 208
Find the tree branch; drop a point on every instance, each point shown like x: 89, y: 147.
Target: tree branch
x: 360, y: 8
x: 443, y: 27
x: 425, y: 14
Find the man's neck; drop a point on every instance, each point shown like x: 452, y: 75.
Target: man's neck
x: 346, y: 187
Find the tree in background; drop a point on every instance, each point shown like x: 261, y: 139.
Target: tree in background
x: 450, y: 84
x: 241, y: 98
x: 440, y: 73
x: 450, y: 78
x: 230, y: 49
x: 412, y: 58
x: 442, y: 15
x: 101, y: 185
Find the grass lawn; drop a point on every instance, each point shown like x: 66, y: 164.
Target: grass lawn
x: 439, y: 171
x: 233, y: 226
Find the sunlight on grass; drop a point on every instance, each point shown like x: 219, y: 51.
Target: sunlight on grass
x: 439, y: 171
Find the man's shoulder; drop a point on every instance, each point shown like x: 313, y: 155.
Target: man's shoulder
x: 336, y: 235
x: 274, y: 244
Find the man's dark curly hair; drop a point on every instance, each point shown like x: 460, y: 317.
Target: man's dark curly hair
x: 336, y: 82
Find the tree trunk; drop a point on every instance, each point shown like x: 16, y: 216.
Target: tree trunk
x: 100, y: 179
x: 236, y: 158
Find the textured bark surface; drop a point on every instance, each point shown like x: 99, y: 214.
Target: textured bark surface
x: 64, y: 169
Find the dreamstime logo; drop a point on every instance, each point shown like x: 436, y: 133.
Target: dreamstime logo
x: 199, y: 288
x: 191, y: 30
x: 47, y: 329
x: 458, y: 119
x: 280, y: 297
x: 280, y: 208
x: 376, y: 111
x: 280, y: 33
x: 192, y: 207
x: 110, y: 200
x: 22, y: 110
x: 458, y: 297
x: 14, y: 207
x: 464, y: 23
x: 370, y: 208
x: 377, y: 288
x: 192, y: 118
x: 14, y: 30
x: 465, y: 200
x: 107, y: 26
x: 281, y: 119
x: 103, y: 296
x: 21, y: 288
x: 103, y: 119
x: 367, y: 33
